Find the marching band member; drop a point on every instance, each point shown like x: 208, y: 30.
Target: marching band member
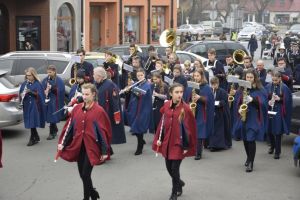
x: 247, y: 63
x: 216, y: 68
x: 172, y: 61
x: 32, y: 100
x: 230, y: 64
x: 261, y: 71
x: 75, y: 95
x: 85, y: 138
x: 178, y: 77
x: 112, y: 67
x: 204, y: 111
x: 149, y: 60
x: 286, y: 72
x: 253, y: 126
x: 188, y: 69
x: 280, y: 54
x: 198, y: 65
x: 175, y: 136
x: 160, y: 94
x: 55, y: 93
x: 108, y: 98
x: 280, y: 101
x: 139, y: 110
x: 83, y: 65
x: 220, y: 137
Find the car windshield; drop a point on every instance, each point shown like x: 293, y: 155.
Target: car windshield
x: 295, y: 27
x: 248, y: 29
x: 184, y: 46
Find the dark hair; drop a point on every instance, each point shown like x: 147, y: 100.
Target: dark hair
x: 52, y: 68
x: 80, y: 51
x: 257, y: 82
x: 177, y: 66
x: 175, y: 85
x: 229, y: 56
x: 214, y: 80
x: 280, y: 59
x: 136, y: 58
x: 141, y: 70
x: 151, y: 48
x: 132, y: 45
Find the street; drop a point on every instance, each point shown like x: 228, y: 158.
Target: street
x: 29, y: 173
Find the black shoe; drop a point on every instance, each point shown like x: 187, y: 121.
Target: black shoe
x: 94, y: 194
x: 247, y: 163
x: 249, y: 168
x: 182, y: 184
x: 198, y: 157
x: 111, y: 151
x: 31, y: 143
x: 51, y: 137
x: 271, y: 150
x: 173, y: 197
x: 138, y: 152
x: 276, y: 156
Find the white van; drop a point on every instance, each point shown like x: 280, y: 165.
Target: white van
x: 215, y: 25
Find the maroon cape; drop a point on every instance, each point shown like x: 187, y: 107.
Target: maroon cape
x: 92, y: 127
x: 172, y: 144
x: 0, y: 150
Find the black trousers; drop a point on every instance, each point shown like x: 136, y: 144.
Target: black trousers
x: 173, y: 167
x: 275, y: 141
x: 250, y: 148
x: 85, y: 170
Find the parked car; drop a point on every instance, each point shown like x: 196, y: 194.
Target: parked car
x: 194, y: 29
x: 272, y: 28
x: 294, y: 30
x: 223, y: 48
x: 217, y: 27
x: 11, y: 113
x: 245, y: 33
x: 184, y: 55
x: 251, y: 24
x: 15, y: 63
x: 295, y: 124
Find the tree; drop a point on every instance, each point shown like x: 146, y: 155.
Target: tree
x: 260, y: 6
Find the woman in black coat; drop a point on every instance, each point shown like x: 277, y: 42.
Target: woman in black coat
x: 252, y: 45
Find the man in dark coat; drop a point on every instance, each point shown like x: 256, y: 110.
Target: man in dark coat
x: 220, y: 137
x: 108, y: 98
x: 261, y: 71
x: 286, y: 73
x: 280, y: 54
x: 83, y: 65
x: 112, y: 67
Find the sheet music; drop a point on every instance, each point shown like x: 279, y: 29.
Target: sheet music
x: 127, y: 67
x: 232, y: 79
x: 168, y: 80
x: 75, y: 58
x: 193, y: 85
x: 245, y: 84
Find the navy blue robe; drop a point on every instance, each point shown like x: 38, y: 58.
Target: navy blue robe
x: 281, y: 122
x: 221, y: 135
x: 115, y: 68
x: 87, y: 68
x: 139, y: 110
x: 109, y: 99
x: 57, y: 98
x: 204, y: 112
x: 262, y: 74
x: 33, y: 105
x: 218, y: 71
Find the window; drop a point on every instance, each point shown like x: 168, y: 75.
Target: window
x: 158, y: 22
x: 234, y: 46
x: 132, y: 25
x: 199, y: 49
x: 60, y: 65
x: 28, y: 32
x: 39, y: 65
x: 7, y: 64
x: 220, y: 49
x: 183, y: 57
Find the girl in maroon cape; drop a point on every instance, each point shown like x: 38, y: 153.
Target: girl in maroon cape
x: 86, y: 138
x: 175, y: 137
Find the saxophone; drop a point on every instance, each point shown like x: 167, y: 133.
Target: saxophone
x: 244, y: 107
x: 193, y: 104
x: 72, y: 81
x: 230, y: 96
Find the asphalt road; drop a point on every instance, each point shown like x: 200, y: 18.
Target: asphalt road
x: 29, y: 173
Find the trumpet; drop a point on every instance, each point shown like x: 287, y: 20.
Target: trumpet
x: 244, y: 106
x: 72, y: 81
x: 193, y: 104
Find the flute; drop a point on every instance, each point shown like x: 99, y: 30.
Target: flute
x: 160, y: 134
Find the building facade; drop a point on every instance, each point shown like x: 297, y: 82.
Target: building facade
x: 110, y: 22
x: 46, y: 24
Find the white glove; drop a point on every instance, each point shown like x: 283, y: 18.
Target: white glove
x: 70, y: 108
x: 249, y: 99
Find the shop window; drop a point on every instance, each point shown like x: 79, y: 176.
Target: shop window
x: 132, y: 25
x: 64, y: 30
x: 158, y: 24
x: 28, y: 33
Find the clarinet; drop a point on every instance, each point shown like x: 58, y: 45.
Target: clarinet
x: 47, y: 96
x: 23, y: 94
x: 160, y: 134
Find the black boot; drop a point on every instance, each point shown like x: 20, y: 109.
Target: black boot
x: 199, y: 150
x: 36, y: 136
x: 32, y: 140
x: 140, y: 144
x: 94, y: 194
x: 249, y: 168
x: 271, y: 150
x: 173, y: 196
x: 247, y: 162
x: 181, y: 185
x: 52, y: 132
x: 276, y: 156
